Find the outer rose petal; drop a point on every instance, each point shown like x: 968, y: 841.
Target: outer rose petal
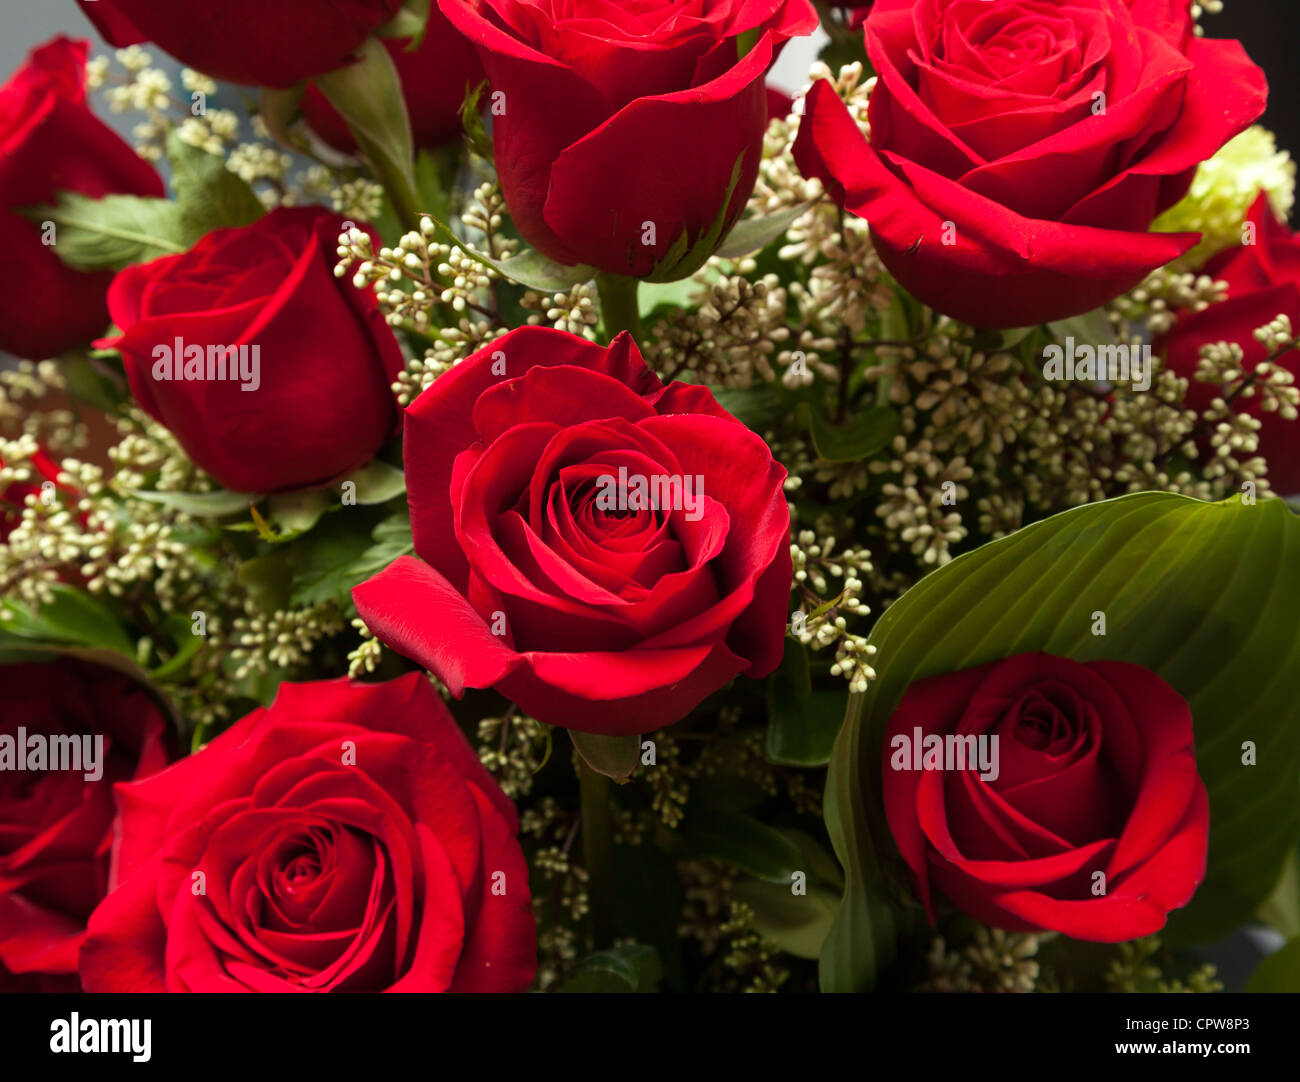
x: 1003, y: 270
x: 458, y: 647
x: 113, y: 26
x: 123, y: 951
x: 620, y: 169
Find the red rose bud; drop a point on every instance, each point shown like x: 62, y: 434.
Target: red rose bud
x: 604, y: 550
x: 435, y: 78
x: 1017, y: 159
x: 1041, y: 793
x: 246, y: 41
x: 271, y: 372
x: 1263, y: 279
x: 346, y: 838
x: 69, y: 731
x: 617, y: 129
x: 51, y: 142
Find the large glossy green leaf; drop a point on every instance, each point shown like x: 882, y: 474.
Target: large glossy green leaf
x: 739, y: 839
x: 1279, y: 972
x: 1205, y: 595
x: 802, y: 723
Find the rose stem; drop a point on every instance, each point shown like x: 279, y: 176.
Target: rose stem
x: 597, y: 850
x: 618, y: 305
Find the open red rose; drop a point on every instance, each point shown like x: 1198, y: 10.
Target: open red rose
x: 1096, y: 823
x: 434, y: 77
x: 1020, y: 149
x: 610, y: 119
x: 246, y: 41
x: 1263, y: 280
x: 345, y: 839
x: 51, y: 142
x: 547, y: 573
x: 56, y: 825
x: 305, y: 398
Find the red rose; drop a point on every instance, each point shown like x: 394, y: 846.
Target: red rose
x: 345, y: 839
x: 56, y: 824
x: 1263, y: 282
x: 1092, y: 820
x: 307, y: 396
x: 609, y: 118
x: 51, y: 142
x: 434, y: 78
x: 246, y: 41
x: 547, y: 573
x: 1020, y: 149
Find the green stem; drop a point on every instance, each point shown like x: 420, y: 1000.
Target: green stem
x: 618, y: 305
x: 598, y: 851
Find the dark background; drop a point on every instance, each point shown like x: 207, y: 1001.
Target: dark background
x: 1270, y: 30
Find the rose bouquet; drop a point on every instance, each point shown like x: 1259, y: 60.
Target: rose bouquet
x: 496, y: 497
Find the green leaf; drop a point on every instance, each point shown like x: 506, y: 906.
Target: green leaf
x: 684, y: 258
x: 210, y: 195
x: 69, y: 616
x: 278, y: 110
x: 802, y: 724
x: 755, y: 234
x: 797, y: 923
x: 757, y: 407
x: 201, y: 504
x: 368, y: 95
x: 1281, y: 910
x: 529, y: 268
x: 392, y: 538
x: 298, y: 512
x: 113, y: 232
x: 411, y: 21
x: 633, y: 968
x: 862, y: 939
x: 1279, y: 972
x: 322, y: 561
x: 376, y: 482
x: 866, y: 433
x: 1202, y: 594
x: 434, y: 176
x: 613, y: 756
x: 677, y: 294
x: 91, y: 382
x: 476, y: 133
x: 741, y: 840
